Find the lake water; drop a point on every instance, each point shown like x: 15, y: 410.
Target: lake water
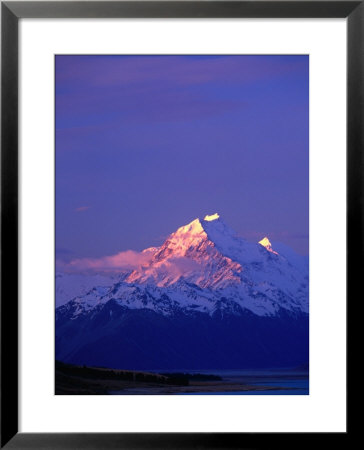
x: 294, y: 387
x: 289, y: 382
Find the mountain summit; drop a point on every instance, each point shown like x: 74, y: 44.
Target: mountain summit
x: 192, y: 253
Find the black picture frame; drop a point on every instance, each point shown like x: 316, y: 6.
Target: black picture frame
x: 11, y: 12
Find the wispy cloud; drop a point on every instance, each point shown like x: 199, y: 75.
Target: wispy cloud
x: 82, y: 208
x: 128, y: 260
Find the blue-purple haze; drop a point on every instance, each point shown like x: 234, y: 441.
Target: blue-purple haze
x: 145, y: 144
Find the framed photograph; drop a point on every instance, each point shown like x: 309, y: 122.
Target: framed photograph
x: 181, y: 217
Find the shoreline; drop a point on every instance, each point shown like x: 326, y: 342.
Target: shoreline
x: 222, y: 388
x: 82, y: 380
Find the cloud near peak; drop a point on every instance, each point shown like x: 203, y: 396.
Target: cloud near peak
x: 127, y: 260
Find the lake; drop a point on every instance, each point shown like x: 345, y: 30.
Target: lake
x: 233, y: 382
x: 282, y: 382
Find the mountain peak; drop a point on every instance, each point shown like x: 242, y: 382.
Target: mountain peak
x: 198, y: 227
x: 212, y: 217
x: 265, y: 242
x: 193, y: 228
x: 177, y: 244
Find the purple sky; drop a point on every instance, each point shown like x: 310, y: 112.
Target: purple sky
x: 145, y: 144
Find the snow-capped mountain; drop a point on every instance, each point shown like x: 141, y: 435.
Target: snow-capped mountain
x: 202, y: 271
x: 203, y: 262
